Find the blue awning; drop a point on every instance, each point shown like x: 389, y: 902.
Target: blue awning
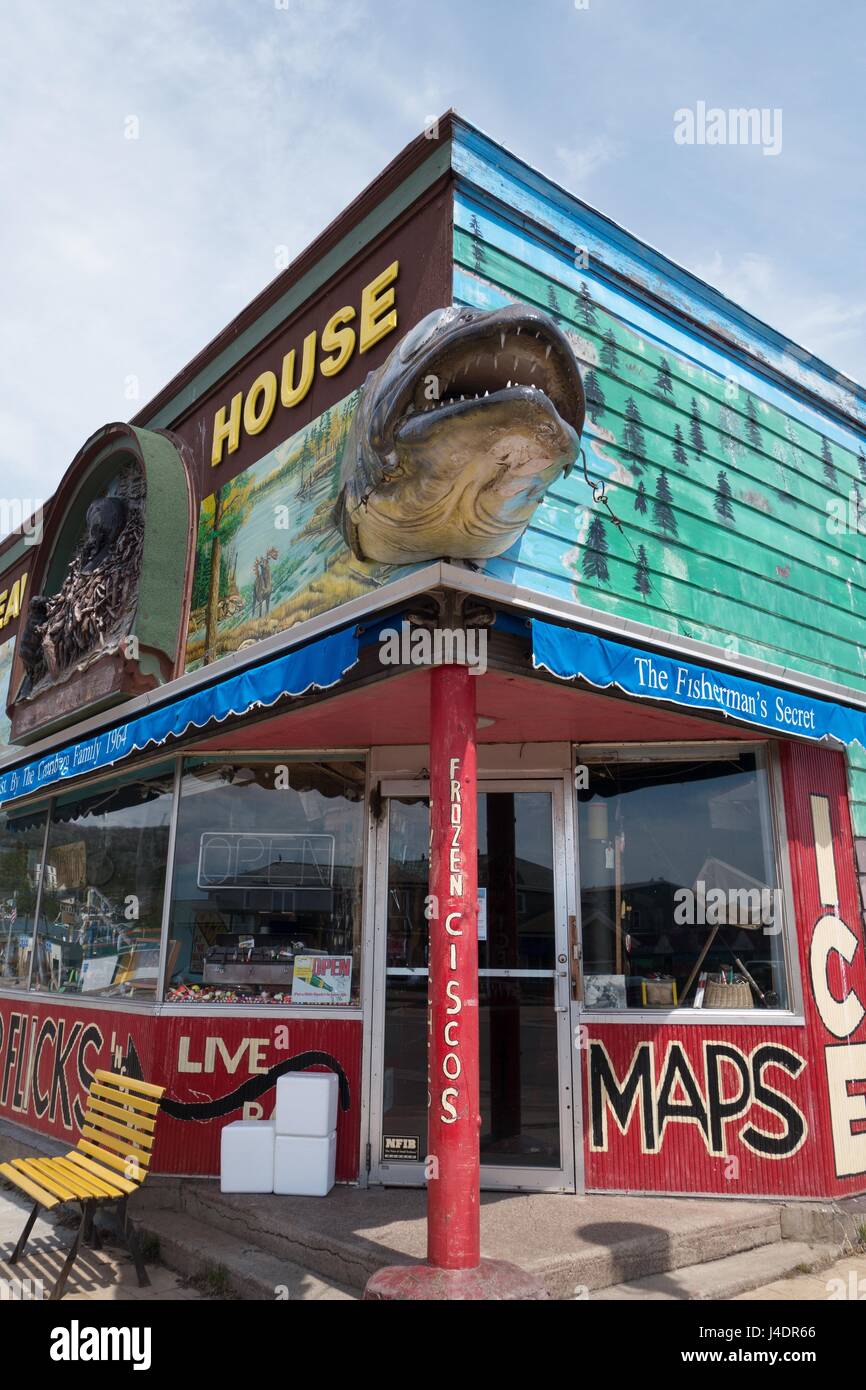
x: 645, y: 675
x: 317, y: 666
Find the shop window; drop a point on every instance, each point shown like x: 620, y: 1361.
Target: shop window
x: 267, y: 883
x: 101, y: 912
x: 680, y: 905
x: 22, y: 837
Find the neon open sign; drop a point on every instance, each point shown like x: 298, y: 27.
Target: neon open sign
x: 243, y: 859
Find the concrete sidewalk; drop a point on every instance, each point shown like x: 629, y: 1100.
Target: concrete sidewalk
x: 842, y: 1281
x: 106, y: 1274
x: 575, y: 1245
x: 277, y: 1248
x: 600, y: 1247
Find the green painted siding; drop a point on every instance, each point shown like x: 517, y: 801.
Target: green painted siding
x: 727, y: 491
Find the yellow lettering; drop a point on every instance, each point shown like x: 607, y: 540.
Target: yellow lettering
x: 377, y: 299
x: 290, y: 394
x: 3, y: 598
x: 226, y: 429
x: 263, y: 389
x: 13, y: 607
x: 337, y: 340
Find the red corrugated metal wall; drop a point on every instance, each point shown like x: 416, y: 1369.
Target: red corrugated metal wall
x: 760, y: 1109
x: 832, y: 962
x: 49, y: 1051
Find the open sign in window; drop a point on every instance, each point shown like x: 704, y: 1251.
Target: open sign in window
x: 246, y: 859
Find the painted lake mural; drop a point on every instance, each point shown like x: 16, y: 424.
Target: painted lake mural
x: 268, y: 555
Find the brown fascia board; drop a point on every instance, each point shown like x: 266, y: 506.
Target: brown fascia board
x: 410, y: 158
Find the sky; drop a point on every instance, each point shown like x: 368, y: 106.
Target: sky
x: 161, y: 161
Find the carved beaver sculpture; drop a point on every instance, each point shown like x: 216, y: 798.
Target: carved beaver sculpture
x: 458, y: 435
x: 96, y: 599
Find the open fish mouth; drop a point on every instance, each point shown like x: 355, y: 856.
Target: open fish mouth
x: 458, y: 436
x: 510, y: 355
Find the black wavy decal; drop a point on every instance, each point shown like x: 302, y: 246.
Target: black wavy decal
x: 254, y: 1087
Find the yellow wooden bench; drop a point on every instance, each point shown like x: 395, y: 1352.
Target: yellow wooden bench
x: 107, y: 1165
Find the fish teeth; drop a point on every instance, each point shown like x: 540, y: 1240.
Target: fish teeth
x: 502, y: 340
x: 547, y: 350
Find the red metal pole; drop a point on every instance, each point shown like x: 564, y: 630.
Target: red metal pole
x: 454, y: 1120
x: 454, y: 1268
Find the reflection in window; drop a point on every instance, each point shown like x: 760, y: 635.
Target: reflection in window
x: 679, y: 900
x: 267, y: 883
x: 21, y: 840
x: 101, y: 912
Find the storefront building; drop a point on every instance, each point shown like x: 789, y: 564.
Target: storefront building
x: 215, y: 834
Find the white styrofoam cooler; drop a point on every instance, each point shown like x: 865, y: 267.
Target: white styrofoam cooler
x: 247, y: 1156
x: 304, y: 1164
x: 307, y: 1104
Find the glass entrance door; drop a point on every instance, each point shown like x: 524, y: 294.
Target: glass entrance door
x: 525, y: 1071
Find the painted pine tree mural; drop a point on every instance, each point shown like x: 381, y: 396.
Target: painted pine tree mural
x: 797, y: 456
x: 634, y: 443
x: 688, y: 459
x: 695, y: 430
x: 642, y: 582
x: 663, y: 512
x: 608, y: 354
x: 586, y: 308
x: 722, y: 500
x: 827, y: 460
x: 664, y: 382
x: 730, y: 441
x: 594, y: 558
x: 477, y: 245
x: 595, y: 401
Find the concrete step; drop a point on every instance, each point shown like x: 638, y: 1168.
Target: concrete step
x: 725, y: 1278
x: 573, y: 1244
x: 227, y: 1266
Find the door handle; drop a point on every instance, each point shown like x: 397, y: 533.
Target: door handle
x: 574, y: 957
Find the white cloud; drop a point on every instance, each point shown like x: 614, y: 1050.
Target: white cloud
x: 580, y: 162
x: 820, y: 320
x: 122, y: 257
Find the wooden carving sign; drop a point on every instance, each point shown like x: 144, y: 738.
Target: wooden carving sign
x: 94, y: 607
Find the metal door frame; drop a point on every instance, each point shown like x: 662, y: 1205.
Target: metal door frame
x: 566, y: 1178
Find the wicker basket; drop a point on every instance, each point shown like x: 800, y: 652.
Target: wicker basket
x: 721, y: 995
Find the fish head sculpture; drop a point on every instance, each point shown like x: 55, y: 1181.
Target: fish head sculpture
x: 458, y: 435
